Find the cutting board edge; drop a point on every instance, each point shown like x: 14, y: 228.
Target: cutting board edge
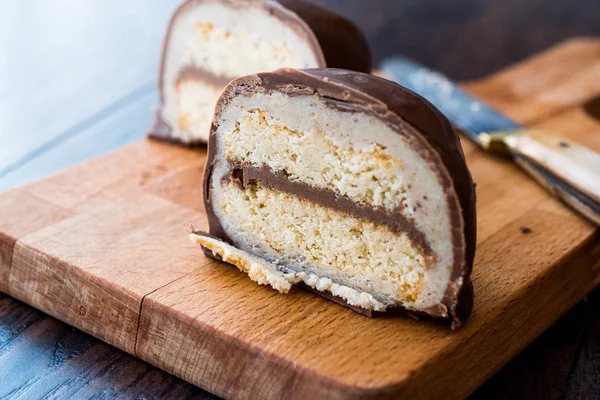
x: 414, y: 383
x: 594, y: 281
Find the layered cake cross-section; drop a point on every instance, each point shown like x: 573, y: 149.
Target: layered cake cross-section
x: 344, y: 183
x: 210, y: 42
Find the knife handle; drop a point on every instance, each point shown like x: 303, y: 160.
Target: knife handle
x: 569, y: 171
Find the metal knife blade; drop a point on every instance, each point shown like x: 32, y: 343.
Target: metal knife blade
x: 474, y: 118
x: 569, y: 171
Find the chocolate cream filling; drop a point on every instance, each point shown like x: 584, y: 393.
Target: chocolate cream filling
x: 193, y: 72
x: 244, y: 174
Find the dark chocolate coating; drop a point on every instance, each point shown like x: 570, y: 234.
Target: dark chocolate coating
x: 435, y: 140
x: 342, y: 43
x: 337, y: 42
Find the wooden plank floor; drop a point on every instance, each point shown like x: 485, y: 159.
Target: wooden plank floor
x: 80, y: 83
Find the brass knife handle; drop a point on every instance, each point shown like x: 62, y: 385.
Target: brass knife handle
x: 569, y: 171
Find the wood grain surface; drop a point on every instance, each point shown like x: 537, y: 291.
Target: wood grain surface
x: 96, y: 254
x: 120, y: 268
x: 467, y: 39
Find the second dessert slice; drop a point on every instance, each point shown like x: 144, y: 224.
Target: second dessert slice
x: 210, y: 42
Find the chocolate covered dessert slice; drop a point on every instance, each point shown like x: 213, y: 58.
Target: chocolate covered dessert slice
x: 345, y: 183
x: 210, y: 42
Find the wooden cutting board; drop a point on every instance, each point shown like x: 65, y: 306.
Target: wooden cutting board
x: 103, y: 246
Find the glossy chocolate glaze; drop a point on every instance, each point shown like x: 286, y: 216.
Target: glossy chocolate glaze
x: 435, y: 140
x: 342, y: 43
x: 336, y: 41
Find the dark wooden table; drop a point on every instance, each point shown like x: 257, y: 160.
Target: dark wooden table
x: 78, y: 79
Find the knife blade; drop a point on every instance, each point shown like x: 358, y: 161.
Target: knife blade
x: 569, y: 171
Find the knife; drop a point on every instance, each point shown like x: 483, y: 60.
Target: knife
x: 567, y: 170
